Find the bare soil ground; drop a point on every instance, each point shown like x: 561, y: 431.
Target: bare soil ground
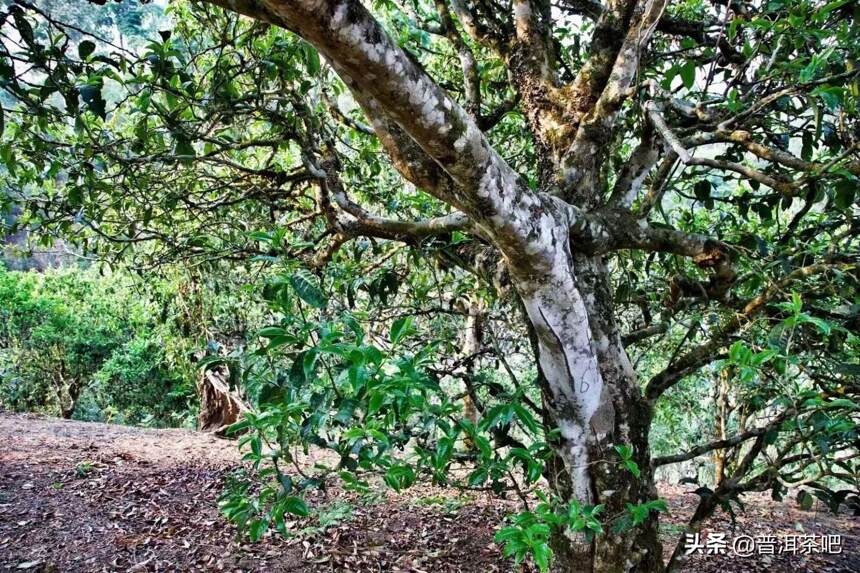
x: 83, y: 497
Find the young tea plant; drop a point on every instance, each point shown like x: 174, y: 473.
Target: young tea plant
x: 530, y: 531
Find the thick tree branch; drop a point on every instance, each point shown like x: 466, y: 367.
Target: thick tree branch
x: 611, y: 230
x: 532, y: 26
x: 658, y: 184
x: 632, y: 175
x: 608, y: 75
x: 354, y: 220
x: 606, y: 42
x: 406, y: 156
x: 694, y: 29
x: 532, y: 62
x: 349, y: 219
x: 773, y: 155
x: 482, y: 25
x: 358, y: 47
x: 645, y: 333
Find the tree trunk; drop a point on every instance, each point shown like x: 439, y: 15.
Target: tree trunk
x: 472, y: 344
x: 219, y: 407
x: 723, y: 411
x: 592, y: 396
x: 67, y: 394
x: 67, y: 409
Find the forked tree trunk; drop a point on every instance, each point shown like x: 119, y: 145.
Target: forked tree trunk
x: 435, y: 144
x: 591, y: 392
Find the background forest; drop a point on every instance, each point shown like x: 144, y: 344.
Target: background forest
x: 170, y: 209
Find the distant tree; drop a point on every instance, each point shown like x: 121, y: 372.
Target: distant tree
x: 54, y: 347
x: 669, y: 181
x: 69, y: 333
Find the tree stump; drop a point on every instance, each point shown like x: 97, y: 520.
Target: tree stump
x: 219, y: 406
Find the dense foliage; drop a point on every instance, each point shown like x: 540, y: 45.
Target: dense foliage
x: 713, y: 214
x: 74, y: 343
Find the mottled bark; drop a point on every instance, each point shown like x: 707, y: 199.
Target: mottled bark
x: 592, y: 396
x: 68, y: 390
x: 472, y: 344
x: 473, y: 335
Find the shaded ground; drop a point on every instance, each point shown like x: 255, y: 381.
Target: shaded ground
x: 92, y: 497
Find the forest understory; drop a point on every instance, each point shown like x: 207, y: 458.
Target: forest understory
x: 87, y: 497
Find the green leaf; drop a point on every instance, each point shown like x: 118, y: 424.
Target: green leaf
x: 702, y: 190
x: 526, y: 419
x: 257, y: 528
x: 85, y: 49
x: 639, y: 513
x: 478, y: 477
x: 739, y: 353
x: 261, y: 236
x: 832, y: 96
x: 346, y: 410
x: 688, y: 74
x: 842, y: 403
x: 805, y: 500
x: 400, y: 476
x: 271, y: 332
x: 632, y: 467
x: 91, y: 93
x: 183, y: 148
x: 401, y: 328
x: 309, y: 363
x: 256, y: 448
x: 278, y: 341
x: 846, y: 191
x: 375, y: 403
x: 295, y: 505
x: 306, y: 286
x: 542, y: 553
x: 239, y: 426
x: 312, y: 59
x: 658, y: 505
x: 831, y: 6
x: 507, y: 534
x: 624, y: 451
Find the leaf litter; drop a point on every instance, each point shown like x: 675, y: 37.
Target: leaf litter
x: 89, y: 497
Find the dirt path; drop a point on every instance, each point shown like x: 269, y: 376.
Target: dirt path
x: 83, y: 497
